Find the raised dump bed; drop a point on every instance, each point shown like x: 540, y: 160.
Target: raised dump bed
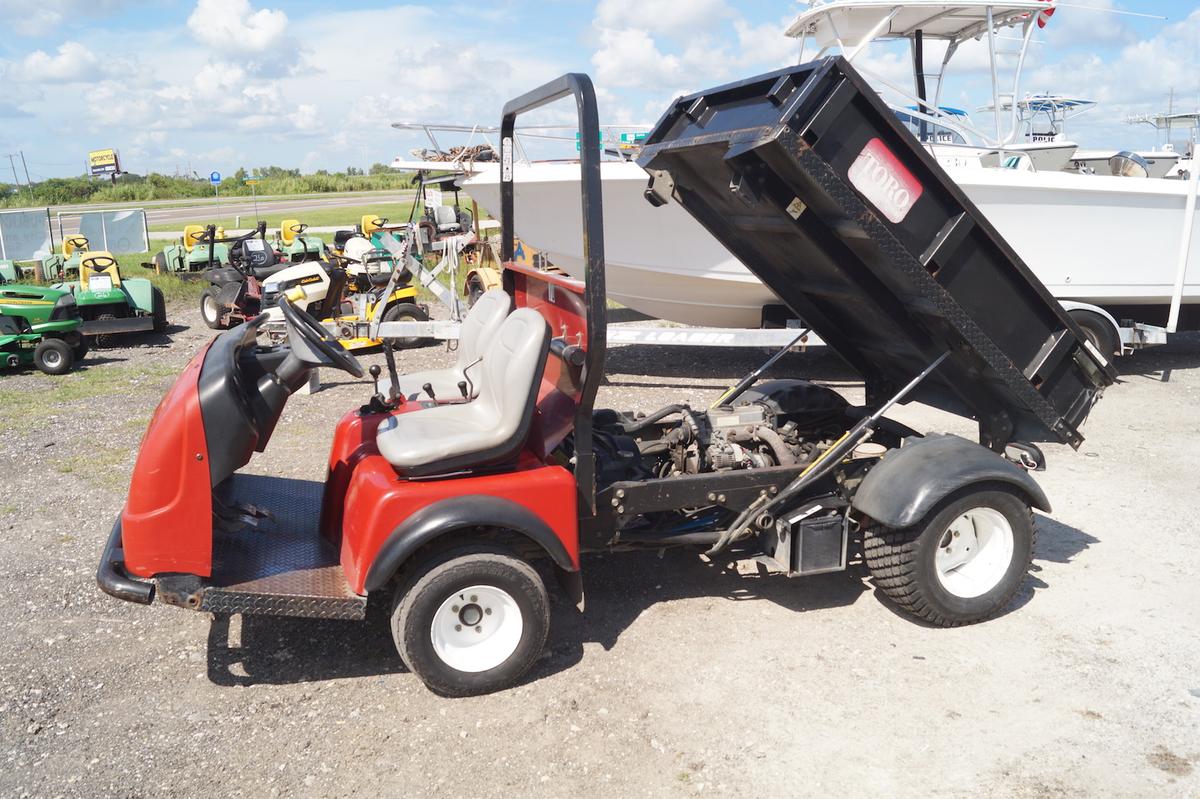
x: 809, y: 178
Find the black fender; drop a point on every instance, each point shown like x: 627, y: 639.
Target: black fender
x: 458, y: 513
x: 909, y: 482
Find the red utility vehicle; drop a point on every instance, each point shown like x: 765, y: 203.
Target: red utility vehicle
x: 437, y: 503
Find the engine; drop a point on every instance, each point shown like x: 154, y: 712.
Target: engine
x: 782, y: 423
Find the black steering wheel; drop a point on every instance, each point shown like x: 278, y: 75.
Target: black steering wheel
x: 318, y: 340
x: 298, y: 228
x: 99, y: 263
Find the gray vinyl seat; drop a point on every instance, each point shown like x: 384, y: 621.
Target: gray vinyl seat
x: 493, y: 427
x: 477, y: 330
x: 446, y: 219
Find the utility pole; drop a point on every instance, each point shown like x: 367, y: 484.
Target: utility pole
x: 26, y: 168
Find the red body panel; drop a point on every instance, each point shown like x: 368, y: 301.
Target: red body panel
x: 166, y: 525
x: 366, y: 499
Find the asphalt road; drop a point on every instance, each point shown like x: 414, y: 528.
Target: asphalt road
x: 683, y: 677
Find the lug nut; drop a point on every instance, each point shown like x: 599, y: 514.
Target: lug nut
x: 479, y: 629
x: 474, y: 598
x: 454, y: 609
x: 458, y: 628
x: 488, y: 611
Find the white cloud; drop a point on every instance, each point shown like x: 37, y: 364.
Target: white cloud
x: 43, y: 16
x: 630, y: 57
x: 233, y: 26
x: 73, y: 62
x: 661, y: 14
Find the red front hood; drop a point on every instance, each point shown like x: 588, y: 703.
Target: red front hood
x: 166, y: 525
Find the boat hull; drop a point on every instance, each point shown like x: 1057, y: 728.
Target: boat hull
x: 1108, y: 241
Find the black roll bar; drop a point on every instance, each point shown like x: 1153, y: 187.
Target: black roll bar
x: 580, y: 86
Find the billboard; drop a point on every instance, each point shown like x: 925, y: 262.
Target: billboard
x: 25, y: 235
x: 104, y: 162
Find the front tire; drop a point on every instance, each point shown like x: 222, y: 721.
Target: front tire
x: 210, y: 308
x: 1099, y: 332
x: 54, y: 357
x: 962, y: 564
x: 471, y: 621
x: 404, y: 312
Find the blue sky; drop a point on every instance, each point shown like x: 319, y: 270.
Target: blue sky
x: 219, y: 84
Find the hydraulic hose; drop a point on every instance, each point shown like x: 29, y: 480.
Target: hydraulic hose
x: 661, y: 413
x: 783, y: 455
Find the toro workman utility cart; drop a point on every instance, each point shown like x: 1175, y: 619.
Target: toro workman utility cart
x: 440, y: 494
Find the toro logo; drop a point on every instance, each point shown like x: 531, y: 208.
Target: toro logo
x: 884, y: 181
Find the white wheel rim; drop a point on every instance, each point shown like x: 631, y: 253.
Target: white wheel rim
x: 52, y: 358
x: 974, y: 553
x: 477, y: 628
x: 210, y: 307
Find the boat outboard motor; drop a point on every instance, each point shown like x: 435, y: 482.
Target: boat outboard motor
x: 1129, y: 165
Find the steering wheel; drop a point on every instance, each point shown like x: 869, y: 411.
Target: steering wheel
x: 98, y: 263
x: 380, y: 222
x: 298, y: 228
x: 79, y: 242
x: 204, y: 236
x: 317, y: 341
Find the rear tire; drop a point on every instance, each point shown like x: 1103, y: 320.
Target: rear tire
x: 1099, y: 331
x: 160, y: 263
x: 158, y: 305
x: 80, y: 349
x: 470, y: 621
x: 475, y: 290
x: 210, y: 308
x: 54, y: 357
x: 405, y: 312
x: 961, y: 564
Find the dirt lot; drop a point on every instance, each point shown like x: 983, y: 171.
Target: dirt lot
x: 682, y: 678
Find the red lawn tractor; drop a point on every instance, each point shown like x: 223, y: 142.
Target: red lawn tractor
x: 443, y: 491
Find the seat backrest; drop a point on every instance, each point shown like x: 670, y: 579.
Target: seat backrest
x: 370, y: 223
x: 9, y: 326
x: 191, y: 235
x: 287, y: 231
x: 73, y: 243
x: 513, y: 361
x: 444, y: 215
x: 480, y: 327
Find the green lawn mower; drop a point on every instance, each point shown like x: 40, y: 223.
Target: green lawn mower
x: 40, y: 326
x: 190, y: 255
x: 111, y: 305
x: 56, y: 266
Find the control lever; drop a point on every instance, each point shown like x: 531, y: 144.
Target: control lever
x: 462, y: 386
x: 428, y: 389
x: 375, y: 371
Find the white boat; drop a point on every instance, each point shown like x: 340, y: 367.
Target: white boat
x: 1110, y: 241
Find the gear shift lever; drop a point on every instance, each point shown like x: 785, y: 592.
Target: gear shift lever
x: 428, y: 389
x: 462, y: 386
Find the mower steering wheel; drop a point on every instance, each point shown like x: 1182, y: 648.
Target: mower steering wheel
x: 318, y: 339
x: 99, y: 262
x: 298, y: 228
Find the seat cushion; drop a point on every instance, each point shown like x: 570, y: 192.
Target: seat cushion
x: 491, y: 428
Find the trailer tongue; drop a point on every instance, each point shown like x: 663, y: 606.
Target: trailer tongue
x: 814, y: 184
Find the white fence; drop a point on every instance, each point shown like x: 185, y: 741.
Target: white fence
x: 25, y: 234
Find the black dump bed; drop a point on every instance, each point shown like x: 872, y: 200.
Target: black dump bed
x: 810, y: 180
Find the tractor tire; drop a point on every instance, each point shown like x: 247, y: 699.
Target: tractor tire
x: 158, y: 305
x: 160, y: 263
x: 470, y: 621
x: 53, y: 356
x: 405, y: 312
x: 102, y: 340
x: 210, y: 308
x: 962, y: 563
x: 80, y: 349
x: 1099, y: 332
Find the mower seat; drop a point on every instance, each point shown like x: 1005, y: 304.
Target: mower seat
x: 492, y: 428
x: 446, y: 219
x: 479, y: 328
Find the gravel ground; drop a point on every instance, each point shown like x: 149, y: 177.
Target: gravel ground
x: 682, y: 678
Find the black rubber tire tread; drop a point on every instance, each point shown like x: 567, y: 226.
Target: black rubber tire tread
x: 158, y: 307
x: 59, y: 347
x: 213, y: 292
x: 1099, y: 330
x: 892, y: 558
x: 160, y: 262
x: 475, y: 290
x: 80, y: 350
x: 403, y: 311
x: 101, y: 340
x: 422, y: 588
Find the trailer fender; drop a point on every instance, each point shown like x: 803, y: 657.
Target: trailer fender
x: 909, y: 482
x: 459, y: 513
